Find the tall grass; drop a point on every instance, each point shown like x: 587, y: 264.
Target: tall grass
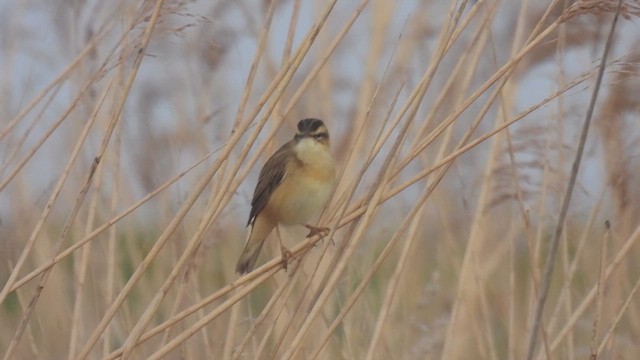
x: 133, y: 133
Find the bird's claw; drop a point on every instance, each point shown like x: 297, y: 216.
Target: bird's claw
x: 286, y: 256
x: 322, y: 231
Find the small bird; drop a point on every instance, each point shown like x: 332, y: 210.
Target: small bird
x: 294, y: 184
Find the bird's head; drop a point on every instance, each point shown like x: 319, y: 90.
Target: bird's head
x: 312, y: 129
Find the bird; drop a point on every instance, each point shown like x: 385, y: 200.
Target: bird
x: 293, y: 186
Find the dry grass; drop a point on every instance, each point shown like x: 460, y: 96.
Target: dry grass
x: 133, y: 134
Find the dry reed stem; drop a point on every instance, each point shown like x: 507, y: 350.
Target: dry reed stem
x: 356, y: 13
x: 254, y: 68
x: 373, y: 198
x: 61, y: 181
x: 476, y: 43
x: 279, y: 296
x: 54, y: 83
x: 72, y: 106
x: 591, y: 295
x: 533, y: 248
x: 86, y: 349
x: 308, y: 79
x: 107, y: 225
x: 565, y: 296
x: 229, y: 339
x: 353, y: 214
x: 348, y: 193
x: 467, y: 271
x: 501, y: 127
x: 504, y: 113
x: 293, y: 278
x: 567, y: 304
x: 566, y: 199
x: 52, y: 199
x: 288, y: 46
x: 490, y: 82
x: 179, y: 339
x: 194, y: 243
x: 443, y: 171
x: 597, y: 321
x: 18, y: 146
x: 254, y: 276
x: 444, y: 45
x: 313, y: 73
x: 416, y: 215
x: 480, y: 139
x: 213, y: 211
x: 71, y: 218
x: 391, y: 287
x: 368, y: 89
x: 81, y: 268
x: 581, y: 7
x: 249, y: 278
x: 367, y: 279
x: 29, y: 155
x: 363, y: 142
x: 618, y: 318
x: 111, y: 241
x: 23, y: 306
x: 325, y: 56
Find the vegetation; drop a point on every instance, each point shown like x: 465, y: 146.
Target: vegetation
x: 133, y: 133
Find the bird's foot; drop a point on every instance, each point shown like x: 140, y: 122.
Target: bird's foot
x: 319, y: 231
x: 322, y: 231
x: 286, y: 256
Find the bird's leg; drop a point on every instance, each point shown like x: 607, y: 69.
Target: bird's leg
x: 286, y: 254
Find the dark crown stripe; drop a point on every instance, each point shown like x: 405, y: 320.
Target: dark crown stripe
x: 309, y: 125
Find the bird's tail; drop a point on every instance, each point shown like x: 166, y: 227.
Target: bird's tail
x: 248, y: 258
x: 258, y: 233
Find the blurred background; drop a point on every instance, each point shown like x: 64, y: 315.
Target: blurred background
x: 402, y: 87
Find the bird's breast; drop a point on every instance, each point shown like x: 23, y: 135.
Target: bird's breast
x: 305, y: 189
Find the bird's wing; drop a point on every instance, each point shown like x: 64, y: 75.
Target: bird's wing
x: 271, y: 175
